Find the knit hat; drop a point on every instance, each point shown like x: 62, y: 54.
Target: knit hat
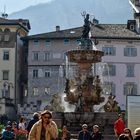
x: 84, y: 126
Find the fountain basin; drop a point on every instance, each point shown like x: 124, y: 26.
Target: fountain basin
x: 85, y: 56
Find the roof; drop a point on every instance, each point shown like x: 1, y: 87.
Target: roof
x: 97, y: 31
x: 22, y: 22
x: 68, y: 33
x: 113, y: 31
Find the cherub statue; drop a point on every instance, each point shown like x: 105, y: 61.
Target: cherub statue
x: 56, y: 103
x: 111, y: 105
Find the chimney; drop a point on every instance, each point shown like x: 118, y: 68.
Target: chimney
x: 57, y: 28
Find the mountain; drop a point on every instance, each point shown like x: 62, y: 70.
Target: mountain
x: 67, y: 13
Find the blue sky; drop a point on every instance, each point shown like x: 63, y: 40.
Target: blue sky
x: 16, y: 5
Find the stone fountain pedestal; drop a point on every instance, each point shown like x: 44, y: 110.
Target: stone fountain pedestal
x: 74, y: 121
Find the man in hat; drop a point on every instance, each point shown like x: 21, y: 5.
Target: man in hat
x: 84, y: 133
x: 44, y: 129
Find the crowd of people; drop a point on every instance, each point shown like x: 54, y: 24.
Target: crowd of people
x: 42, y: 127
x: 18, y: 131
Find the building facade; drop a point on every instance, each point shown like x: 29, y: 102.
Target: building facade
x: 46, y: 57
x: 11, y: 58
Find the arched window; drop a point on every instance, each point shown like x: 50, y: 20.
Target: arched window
x: 6, y: 30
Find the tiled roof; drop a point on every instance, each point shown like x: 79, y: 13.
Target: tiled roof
x: 97, y: 31
x: 68, y: 33
x: 113, y: 31
x: 23, y: 22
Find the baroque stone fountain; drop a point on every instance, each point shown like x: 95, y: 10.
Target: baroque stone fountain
x: 84, y: 90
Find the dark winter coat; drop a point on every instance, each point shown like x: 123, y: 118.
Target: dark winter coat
x: 96, y: 136
x: 84, y: 136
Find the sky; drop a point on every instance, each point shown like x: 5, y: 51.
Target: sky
x: 10, y: 6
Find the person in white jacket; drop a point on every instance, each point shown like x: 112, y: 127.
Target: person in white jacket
x: 45, y: 128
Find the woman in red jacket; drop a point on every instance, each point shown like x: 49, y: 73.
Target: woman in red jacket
x: 119, y: 126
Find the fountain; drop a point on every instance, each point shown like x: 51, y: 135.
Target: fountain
x: 83, y: 88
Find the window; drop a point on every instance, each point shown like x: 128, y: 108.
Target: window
x: 109, y: 50
x: 56, y: 55
x: 35, y: 73
x: 130, y: 70
x: 6, y: 37
x: 109, y: 70
x: 47, y: 73
x: 66, y: 41
x: 36, y: 42
x: 35, y: 56
x: 130, y: 51
x: 6, y: 55
x: 47, y: 56
x: 5, y: 75
x: 35, y: 91
x: 130, y: 88
x: 132, y: 27
x: 47, y: 91
x: 109, y: 88
x: 48, y: 43
x: 78, y: 41
x: 6, y: 30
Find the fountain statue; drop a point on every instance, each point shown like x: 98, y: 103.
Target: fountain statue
x: 111, y: 105
x: 55, y: 104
